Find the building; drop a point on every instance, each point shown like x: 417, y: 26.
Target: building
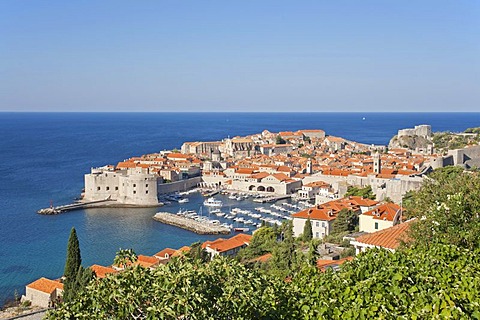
x: 381, y: 217
x: 101, y: 271
x: 165, y: 254
x: 322, y: 215
x: 227, y: 247
x: 389, y: 238
x: 43, y: 292
x: 312, y: 189
x: 132, y: 186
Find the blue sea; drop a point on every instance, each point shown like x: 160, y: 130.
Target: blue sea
x: 45, y: 155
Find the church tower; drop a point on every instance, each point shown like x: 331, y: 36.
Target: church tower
x: 309, y: 166
x: 377, y: 165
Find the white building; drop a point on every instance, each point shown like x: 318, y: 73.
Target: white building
x: 381, y: 217
x: 43, y: 292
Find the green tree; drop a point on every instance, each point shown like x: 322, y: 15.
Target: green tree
x: 197, y: 252
x: 448, y: 206
x: 74, y: 259
x: 280, y: 140
x: 307, y: 231
x: 125, y: 257
x: 346, y: 220
x: 263, y: 241
x: 365, y: 192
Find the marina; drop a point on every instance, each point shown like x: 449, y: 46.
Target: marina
x: 236, y: 212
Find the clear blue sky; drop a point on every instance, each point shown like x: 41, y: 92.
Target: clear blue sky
x: 249, y: 55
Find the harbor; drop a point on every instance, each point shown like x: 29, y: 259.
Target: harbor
x: 233, y: 211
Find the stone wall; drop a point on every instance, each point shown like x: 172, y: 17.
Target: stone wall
x: 182, y: 185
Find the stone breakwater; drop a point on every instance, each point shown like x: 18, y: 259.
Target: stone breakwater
x: 200, y: 227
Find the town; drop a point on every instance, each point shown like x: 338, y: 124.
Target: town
x: 326, y: 174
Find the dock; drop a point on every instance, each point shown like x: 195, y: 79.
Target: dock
x: 74, y: 206
x: 271, y: 199
x: 210, y: 193
x: 190, y: 224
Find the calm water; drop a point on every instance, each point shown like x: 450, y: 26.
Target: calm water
x: 45, y: 155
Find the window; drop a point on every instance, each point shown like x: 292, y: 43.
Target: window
x: 323, y: 224
x: 108, y: 188
x: 317, y: 234
x: 146, y: 186
x: 134, y: 185
x: 317, y: 224
x: 134, y: 192
x: 376, y: 225
x: 146, y: 191
x: 116, y: 188
x: 98, y: 188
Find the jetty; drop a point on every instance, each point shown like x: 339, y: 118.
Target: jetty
x: 200, y: 227
x: 272, y: 199
x: 74, y: 206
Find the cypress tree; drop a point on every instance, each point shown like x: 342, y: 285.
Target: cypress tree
x: 74, y: 260
x: 307, y: 231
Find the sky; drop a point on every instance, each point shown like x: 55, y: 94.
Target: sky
x: 247, y: 56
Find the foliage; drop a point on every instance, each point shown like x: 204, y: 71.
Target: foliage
x: 346, y: 220
x: 307, y: 231
x: 263, y: 241
x: 72, y: 267
x: 184, y: 289
x: 448, y: 204
x: 439, y: 282
x: 74, y: 259
x: 365, y: 192
x: 280, y: 140
x: 197, y: 253
x: 473, y: 130
x: 125, y: 257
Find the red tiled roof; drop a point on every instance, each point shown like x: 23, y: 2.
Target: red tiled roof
x: 45, y: 285
x: 163, y: 253
x: 323, y: 264
x: 222, y: 245
x: 389, y: 238
x: 386, y: 211
x: 101, y: 271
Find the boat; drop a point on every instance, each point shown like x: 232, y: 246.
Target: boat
x: 212, y: 202
x: 183, y: 200
x: 241, y: 229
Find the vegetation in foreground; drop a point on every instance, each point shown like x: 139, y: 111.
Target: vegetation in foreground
x: 437, y: 275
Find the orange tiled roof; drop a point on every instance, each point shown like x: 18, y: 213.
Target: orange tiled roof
x: 163, y: 253
x: 389, y: 238
x: 146, y: 261
x: 101, y: 271
x: 45, y: 285
x: 323, y: 264
x: 386, y: 211
x: 181, y: 251
x: 222, y: 245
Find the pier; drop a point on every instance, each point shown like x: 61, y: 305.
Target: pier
x: 74, y: 206
x: 190, y: 224
x: 271, y: 199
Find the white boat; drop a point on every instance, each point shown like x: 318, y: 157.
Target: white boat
x: 212, y: 202
x: 183, y: 200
